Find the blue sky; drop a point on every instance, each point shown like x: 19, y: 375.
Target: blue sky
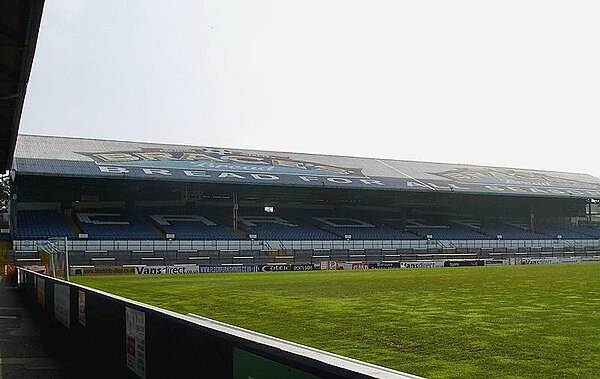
x: 507, y: 83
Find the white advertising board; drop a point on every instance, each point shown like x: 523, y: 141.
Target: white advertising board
x: 159, y: 270
x: 135, y: 330
x: 62, y: 304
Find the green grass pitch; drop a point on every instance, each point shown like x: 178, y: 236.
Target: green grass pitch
x: 476, y: 322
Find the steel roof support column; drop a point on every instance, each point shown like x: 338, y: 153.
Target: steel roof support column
x: 531, y: 218
x: 235, y: 212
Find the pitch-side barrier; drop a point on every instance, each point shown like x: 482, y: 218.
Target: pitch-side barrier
x: 138, y: 340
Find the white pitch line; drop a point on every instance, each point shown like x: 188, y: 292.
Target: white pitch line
x: 405, y: 174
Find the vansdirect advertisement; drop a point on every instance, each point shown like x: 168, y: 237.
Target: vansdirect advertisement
x: 417, y: 264
x: 160, y: 270
x: 539, y: 261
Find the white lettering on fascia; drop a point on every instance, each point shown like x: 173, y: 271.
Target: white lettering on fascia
x: 152, y: 171
x: 339, y: 180
x: 264, y: 176
x: 113, y: 170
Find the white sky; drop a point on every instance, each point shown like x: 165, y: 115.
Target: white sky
x: 508, y: 83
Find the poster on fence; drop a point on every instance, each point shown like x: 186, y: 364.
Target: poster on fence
x: 62, y: 304
x: 135, y: 330
x: 81, y: 307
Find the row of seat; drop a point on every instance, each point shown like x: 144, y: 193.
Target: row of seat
x: 112, y: 224
x: 41, y: 224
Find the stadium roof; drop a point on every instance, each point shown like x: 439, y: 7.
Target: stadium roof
x: 92, y: 158
x: 19, y: 27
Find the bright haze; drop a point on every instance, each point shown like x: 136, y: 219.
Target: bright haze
x: 505, y: 83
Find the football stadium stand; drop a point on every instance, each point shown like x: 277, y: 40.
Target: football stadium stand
x: 122, y: 202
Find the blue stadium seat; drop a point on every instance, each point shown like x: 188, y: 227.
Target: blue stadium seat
x: 282, y: 228
x: 41, y: 224
x: 442, y: 229
x: 510, y: 231
x: 189, y: 226
x: 114, y: 225
x: 586, y: 231
x: 361, y: 230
